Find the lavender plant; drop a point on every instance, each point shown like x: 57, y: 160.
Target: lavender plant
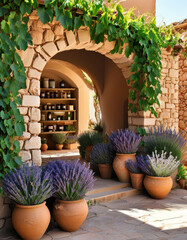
x: 71, y: 139
x: 28, y: 185
x: 158, y: 165
x: 163, y: 138
x: 132, y: 166
x: 102, y: 153
x: 124, y: 141
x: 72, y: 179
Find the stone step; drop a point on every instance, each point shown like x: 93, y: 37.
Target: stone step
x: 111, y: 195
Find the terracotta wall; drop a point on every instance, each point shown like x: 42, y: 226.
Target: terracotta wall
x: 109, y: 81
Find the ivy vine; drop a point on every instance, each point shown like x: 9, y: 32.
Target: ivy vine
x: 144, y: 39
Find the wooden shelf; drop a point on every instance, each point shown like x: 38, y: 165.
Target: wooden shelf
x: 42, y: 133
x: 58, y: 111
x: 57, y: 89
x: 59, y: 121
x: 56, y: 99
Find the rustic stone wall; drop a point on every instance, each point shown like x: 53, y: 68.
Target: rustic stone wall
x: 169, y: 106
x: 183, y: 93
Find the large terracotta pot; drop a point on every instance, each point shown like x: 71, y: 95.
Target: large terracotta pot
x: 59, y: 146
x: 182, y: 183
x: 44, y: 147
x: 105, y: 170
x: 158, y: 187
x: 119, y: 166
x: 70, y: 215
x: 137, y: 180
x: 31, y: 222
x: 70, y: 146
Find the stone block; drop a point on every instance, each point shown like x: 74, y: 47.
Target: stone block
x: 37, y: 37
x: 173, y: 73
x: 25, y: 156
x: 50, y: 48
x: 34, y: 87
x: 21, y: 142
x: 183, y: 77
x: 23, y: 110
x: 26, y: 119
x: 30, y: 101
x: 27, y: 56
x: 71, y: 38
x: 34, y: 114
x: 164, y: 90
x: 34, y: 128
x: 36, y: 157
x: 84, y: 36
x: 165, y: 115
x: 170, y: 106
x: 185, y: 63
x: 25, y: 136
x: 33, y: 73
x: 61, y: 44
x: 143, y: 121
x: 49, y: 36
x: 39, y: 63
x: 33, y: 143
x: 58, y: 30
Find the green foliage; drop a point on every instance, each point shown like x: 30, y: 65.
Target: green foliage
x: 182, y: 172
x: 58, y: 138
x: 44, y: 140
x: 88, y: 139
x: 142, y: 36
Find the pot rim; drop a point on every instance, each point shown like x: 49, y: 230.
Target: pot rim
x: 69, y: 202
x: 31, y: 206
x: 137, y: 173
x: 160, y: 178
x: 118, y: 154
x: 105, y: 164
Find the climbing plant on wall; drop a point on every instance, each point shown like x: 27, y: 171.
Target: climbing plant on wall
x: 142, y: 36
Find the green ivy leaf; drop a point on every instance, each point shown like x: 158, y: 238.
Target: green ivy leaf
x: 43, y: 14
x: 25, y: 8
x: 20, y: 128
x: 78, y: 22
x: 99, y: 28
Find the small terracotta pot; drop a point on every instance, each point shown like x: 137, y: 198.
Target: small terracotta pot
x: 31, y: 222
x: 105, y: 170
x: 70, y: 215
x: 70, y: 146
x: 87, y: 153
x: 59, y: 146
x: 182, y: 183
x: 44, y: 147
x: 119, y: 166
x: 158, y: 187
x: 137, y: 180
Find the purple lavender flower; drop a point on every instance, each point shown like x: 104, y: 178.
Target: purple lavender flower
x: 132, y: 166
x: 71, y: 178
x: 28, y: 185
x: 124, y: 141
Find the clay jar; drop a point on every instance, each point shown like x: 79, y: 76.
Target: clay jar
x: 158, y: 187
x: 31, y: 222
x: 105, y: 170
x: 70, y: 146
x: 59, y: 146
x: 119, y: 166
x: 137, y: 180
x: 70, y: 215
x: 44, y: 147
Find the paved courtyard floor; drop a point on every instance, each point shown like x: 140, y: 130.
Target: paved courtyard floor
x: 135, y: 218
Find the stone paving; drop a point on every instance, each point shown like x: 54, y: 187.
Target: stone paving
x: 135, y: 218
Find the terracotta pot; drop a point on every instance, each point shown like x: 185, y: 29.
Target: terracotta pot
x: 59, y: 146
x: 158, y: 187
x: 182, y: 183
x: 44, y: 147
x: 119, y: 166
x: 70, y: 146
x: 87, y: 153
x: 70, y: 215
x: 137, y: 180
x: 31, y: 222
x: 105, y: 170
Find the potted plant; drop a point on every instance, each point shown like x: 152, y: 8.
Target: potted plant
x: 103, y: 156
x: 44, y: 145
x: 70, y: 142
x: 86, y: 141
x: 182, y: 176
x: 136, y: 174
x: 59, y: 139
x: 158, y: 170
x: 125, y: 143
x: 73, y: 180
x: 29, y: 187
